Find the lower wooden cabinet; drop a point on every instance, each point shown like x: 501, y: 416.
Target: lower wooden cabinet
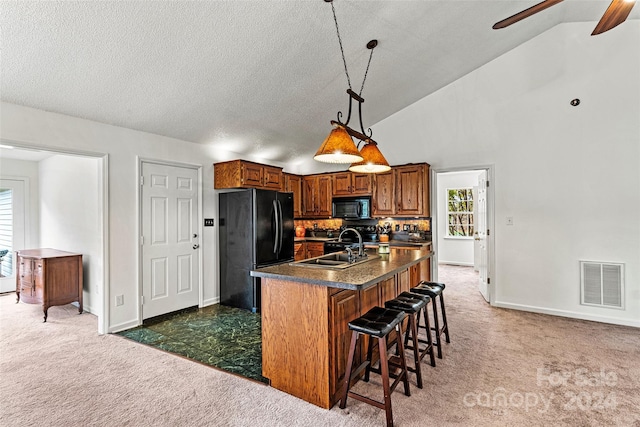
x: 49, y: 277
x: 306, y: 336
x: 343, y: 308
x: 315, y: 249
x: 299, y: 251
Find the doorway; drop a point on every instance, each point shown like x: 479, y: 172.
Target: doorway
x: 13, y: 211
x: 64, y: 191
x: 462, y: 222
x: 170, y: 254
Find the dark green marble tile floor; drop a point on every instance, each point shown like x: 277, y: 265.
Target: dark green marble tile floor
x: 224, y: 337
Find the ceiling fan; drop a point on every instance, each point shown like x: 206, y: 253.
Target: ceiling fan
x: 615, y: 15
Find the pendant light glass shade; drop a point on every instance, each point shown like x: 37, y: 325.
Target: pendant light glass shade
x: 373, y: 160
x: 338, y: 148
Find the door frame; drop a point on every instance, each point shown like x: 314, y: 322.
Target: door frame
x: 103, y: 188
x: 26, y: 213
x: 492, y: 285
x: 198, y: 168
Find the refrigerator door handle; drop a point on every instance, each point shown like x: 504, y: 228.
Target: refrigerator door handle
x: 281, y: 223
x: 276, y: 240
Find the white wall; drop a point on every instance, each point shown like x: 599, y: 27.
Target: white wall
x: 13, y: 168
x: 70, y: 217
x: 453, y: 250
x: 569, y: 176
x: 31, y: 127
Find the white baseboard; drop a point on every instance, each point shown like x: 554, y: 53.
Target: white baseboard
x: 461, y: 264
x: 123, y: 326
x: 211, y: 301
x: 571, y: 314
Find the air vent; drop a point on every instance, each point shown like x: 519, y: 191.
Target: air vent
x: 602, y: 284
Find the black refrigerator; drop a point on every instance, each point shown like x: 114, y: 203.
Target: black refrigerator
x: 256, y: 230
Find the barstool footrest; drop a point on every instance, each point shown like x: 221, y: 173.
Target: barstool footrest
x: 366, y: 399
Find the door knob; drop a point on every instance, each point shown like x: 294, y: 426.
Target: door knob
x: 196, y: 246
x: 195, y: 235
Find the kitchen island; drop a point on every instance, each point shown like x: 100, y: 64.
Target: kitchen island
x: 305, y: 314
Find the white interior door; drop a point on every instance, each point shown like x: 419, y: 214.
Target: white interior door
x: 170, y: 243
x: 481, y: 235
x: 12, y: 229
x: 476, y: 241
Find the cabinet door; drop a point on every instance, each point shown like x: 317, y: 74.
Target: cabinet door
x: 271, y: 178
x: 414, y: 276
x: 343, y: 308
x: 315, y: 249
x: 410, y: 190
x: 299, y: 251
x: 403, y: 281
x: 383, y: 194
x: 361, y: 184
x: 425, y: 270
x: 39, y: 274
x: 324, y: 196
x: 386, y: 291
x: 252, y: 175
x: 293, y: 184
x: 309, y: 184
x: 342, y: 184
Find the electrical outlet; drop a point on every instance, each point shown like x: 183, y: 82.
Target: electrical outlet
x: 119, y: 300
x: 509, y: 220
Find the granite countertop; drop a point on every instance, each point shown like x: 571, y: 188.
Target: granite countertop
x: 357, y: 277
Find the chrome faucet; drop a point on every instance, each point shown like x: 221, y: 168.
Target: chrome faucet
x: 360, y: 244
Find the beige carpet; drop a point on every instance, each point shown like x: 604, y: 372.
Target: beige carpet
x: 502, y: 368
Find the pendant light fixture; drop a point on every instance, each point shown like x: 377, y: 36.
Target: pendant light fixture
x: 339, y: 147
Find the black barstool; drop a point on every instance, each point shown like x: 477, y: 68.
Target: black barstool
x: 412, y: 304
x: 434, y: 290
x: 377, y: 323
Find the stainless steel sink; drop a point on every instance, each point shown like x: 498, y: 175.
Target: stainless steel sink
x: 335, y: 260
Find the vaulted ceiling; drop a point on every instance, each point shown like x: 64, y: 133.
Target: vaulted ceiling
x: 253, y: 77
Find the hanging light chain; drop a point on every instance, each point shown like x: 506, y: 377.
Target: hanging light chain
x: 344, y: 61
x: 366, y: 71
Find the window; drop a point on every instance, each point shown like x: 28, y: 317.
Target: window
x: 459, y: 212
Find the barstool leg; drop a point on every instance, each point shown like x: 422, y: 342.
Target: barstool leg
x: 445, y: 325
x: 436, y: 327
x: 367, y: 371
x: 403, y: 360
x: 347, y: 375
x: 384, y: 367
x: 416, y: 351
x: 430, y: 344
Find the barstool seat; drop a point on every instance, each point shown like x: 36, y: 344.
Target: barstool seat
x: 412, y: 304
x: 377, y: 323
x: 435, y: 291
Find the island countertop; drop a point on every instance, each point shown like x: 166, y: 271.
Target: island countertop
x: 357, y: 277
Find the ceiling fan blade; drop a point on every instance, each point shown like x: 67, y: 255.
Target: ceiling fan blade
x: 615, y: 15
x: 525, y: 13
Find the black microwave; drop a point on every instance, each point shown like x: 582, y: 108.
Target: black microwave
x: 352, y: 208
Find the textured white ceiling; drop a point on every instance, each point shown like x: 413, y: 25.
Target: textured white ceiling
x: 255, y: 77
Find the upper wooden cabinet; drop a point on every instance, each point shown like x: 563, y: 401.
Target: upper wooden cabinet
x: 316, y: 195
x: 293, y: 183
x: 352, y: 184
x: 412, y: 190
x: 403, y: 191
x: 244, y: 174
x: 383, y: 199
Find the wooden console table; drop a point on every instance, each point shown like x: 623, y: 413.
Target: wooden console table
x: 49, y: 277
